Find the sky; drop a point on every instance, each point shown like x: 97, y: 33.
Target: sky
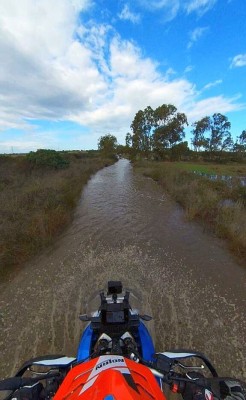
x: 74, y: 70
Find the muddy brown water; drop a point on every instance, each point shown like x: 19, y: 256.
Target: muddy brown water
x: 125, y: 227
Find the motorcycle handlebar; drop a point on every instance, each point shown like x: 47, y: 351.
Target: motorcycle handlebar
x: 17, y: 382
x: 219, y: 386
x: 11, y: 383
x: 178, y: 383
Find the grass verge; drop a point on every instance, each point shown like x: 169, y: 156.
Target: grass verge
x: 220, y: 207
x: 230, y: 169
x: 36, y: 204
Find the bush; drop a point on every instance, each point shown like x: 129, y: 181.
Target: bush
x: 47, y: 158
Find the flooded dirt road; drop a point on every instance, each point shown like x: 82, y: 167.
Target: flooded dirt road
x: 126, y: 228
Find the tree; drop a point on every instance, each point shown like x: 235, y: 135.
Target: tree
x: 107, y: 144
x: 142, y: 126
x: 121, y: 149
x: 220, y: 133
x: 158, y: 129
x: 169, y: 126
x: 179, y: 150
x: 137, y: 127
x: 200, y: 127
x: 128, y: 139
x: 242, y: 138
x: 240, y: 147
x: 218, y: 129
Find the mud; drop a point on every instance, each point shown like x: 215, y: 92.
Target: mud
x: 126, y: 228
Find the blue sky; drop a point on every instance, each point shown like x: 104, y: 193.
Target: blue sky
x: 73, y: 70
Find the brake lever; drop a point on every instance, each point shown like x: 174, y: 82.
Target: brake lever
x: 193, y: 378
x: 190, y: 366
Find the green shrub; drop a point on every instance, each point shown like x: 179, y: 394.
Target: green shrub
x: 47, y: 158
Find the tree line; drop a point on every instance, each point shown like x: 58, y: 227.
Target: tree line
x: 160, y: 133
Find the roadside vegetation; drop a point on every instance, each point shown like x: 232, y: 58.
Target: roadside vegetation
x: 38, y: 193
x: 232, y: 169
x: 219, y: 206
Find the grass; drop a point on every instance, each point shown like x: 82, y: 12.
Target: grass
x: 232, y: 169
x: 37, y: 204
x: 219, y: 207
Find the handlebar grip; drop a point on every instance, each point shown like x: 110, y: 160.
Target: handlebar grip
x: 17, y: 382
x: 11, y: 383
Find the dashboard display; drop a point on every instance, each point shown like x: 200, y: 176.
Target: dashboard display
x: 113, y: 317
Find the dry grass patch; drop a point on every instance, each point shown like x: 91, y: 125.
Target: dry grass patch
x: 220, y: 207
x: 37, y: 203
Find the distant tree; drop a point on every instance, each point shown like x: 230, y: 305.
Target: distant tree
x: 137, y: 126
x: 121, y: 149
x: 142, y: 126
x: 179, y: 150
x: 217, y: 128
x: 107, y: 145
x: 240, y: 145
x: 220, y: 133
x: 128, y: 139
x: 149, y: 115
x: 242, y: 138
x: 157, y: 130
x: 169, y: 126
x: 200, y: 127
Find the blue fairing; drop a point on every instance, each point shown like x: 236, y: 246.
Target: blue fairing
x: 85, y: 344
x: 146, y: 342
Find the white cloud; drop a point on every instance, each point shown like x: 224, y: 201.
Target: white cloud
x: 126, y: 61
x: 212, y: 84
x: 170, y: 72
x: 170, y: 8
x: 154, y: 5
x: 42, y: 27
x: 211, y: 105
x: 199, y: 6
x: 127, y: 15
x: 239, y: 61
x: 189, y: 68
x: 45, y: 72
x: 135, y: 83
x: 196, y: 34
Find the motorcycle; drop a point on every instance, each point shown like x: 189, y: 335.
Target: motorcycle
x: 116, y: 360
